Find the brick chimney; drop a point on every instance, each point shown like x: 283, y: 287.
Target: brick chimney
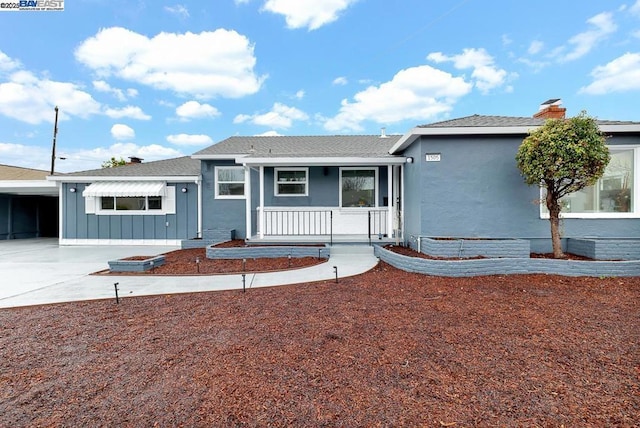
x: 551, y: 109
x: 135, y: 159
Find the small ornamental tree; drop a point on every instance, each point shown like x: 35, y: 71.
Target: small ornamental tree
x: 113, y: 162
x: 563, y: 156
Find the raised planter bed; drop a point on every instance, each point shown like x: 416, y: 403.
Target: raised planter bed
x: 136, y: 264
x: 470, y: 247
x: 268, y: 251
x: 605, y: 249
x: 507, y: 266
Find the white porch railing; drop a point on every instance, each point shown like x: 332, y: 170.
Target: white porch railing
x: 299, y: 221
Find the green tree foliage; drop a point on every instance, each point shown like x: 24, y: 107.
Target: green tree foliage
x: 563, y: 156
x: 113, y: 162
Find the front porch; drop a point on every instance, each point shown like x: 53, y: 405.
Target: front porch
x: 361, y: 204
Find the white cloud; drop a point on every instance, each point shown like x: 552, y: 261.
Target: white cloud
x: 189, y: 139
x: 312, y: 14
x: 269, y: 134
x: 299, y: 95
x: 535, y: 47
x: 486, y: 74
x: 102, y: 86
x: 620, y: 75
x: 195, y: 110
x: 179, y: 10
x: 204, y: 65
x: 31, y: 99
x: 340, y: 81
x: 417, y: 93
x: 130, y: 112
x: 122, y: 132
x: 581, y: 44
x: 8, y: 64
x: 280, y: 116
x: 635, y: 9
x: 506, y: 40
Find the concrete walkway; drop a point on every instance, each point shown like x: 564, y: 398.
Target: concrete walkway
x: 38, y: 271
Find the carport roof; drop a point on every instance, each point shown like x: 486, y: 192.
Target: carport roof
x: 9, y: 172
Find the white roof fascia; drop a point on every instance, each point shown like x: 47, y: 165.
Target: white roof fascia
x: 28, y: 187
x: 620, y: 128
x: 407, y: 139
x: 89, y: 178
x: 219, y: 157
x: 322, y: 161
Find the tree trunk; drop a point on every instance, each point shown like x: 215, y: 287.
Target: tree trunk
x: 554, y: 218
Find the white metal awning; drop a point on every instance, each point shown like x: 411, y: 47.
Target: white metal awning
x: 125, y: 188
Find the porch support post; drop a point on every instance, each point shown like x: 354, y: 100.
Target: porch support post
x: 390, y: 201
x: 261, y: 207
x: 401, y: 225
x: 247, y: 195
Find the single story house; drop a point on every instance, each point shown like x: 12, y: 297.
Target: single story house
x: 456, y: 178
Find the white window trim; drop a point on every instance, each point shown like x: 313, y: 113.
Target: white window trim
x: 375, y: 186
x: 607, y: 215
x: 217, y: 188
x: 290, y: 195
x: 168, y: 205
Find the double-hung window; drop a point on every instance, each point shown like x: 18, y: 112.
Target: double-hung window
x: 291, y: 181
x: 229, y: 182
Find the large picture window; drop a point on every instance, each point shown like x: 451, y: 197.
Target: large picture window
x: 291, y: 182
x: 358, y: 187
x: 101, y: 199
x: 613, y: 195
x: 229, y: 182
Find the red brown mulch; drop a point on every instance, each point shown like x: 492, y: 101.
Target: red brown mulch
x: 183, y: 262
x: 385, y: 348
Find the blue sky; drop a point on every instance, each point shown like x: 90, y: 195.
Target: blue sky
x: 159, y: 79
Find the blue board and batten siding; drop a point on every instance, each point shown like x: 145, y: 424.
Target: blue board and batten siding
x: 78, y: 225
x: 476, y: 190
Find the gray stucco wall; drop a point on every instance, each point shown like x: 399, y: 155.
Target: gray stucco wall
x: 476, y: 190
x: 79, y: 225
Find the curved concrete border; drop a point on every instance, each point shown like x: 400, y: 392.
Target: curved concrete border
x: 506, y: 266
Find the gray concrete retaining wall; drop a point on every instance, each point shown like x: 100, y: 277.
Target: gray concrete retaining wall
x: 252, y: 252
x: 136, y: 265
x: 605, y: 249
x: 466, y: 248
x: 209, y: 237
x: 506, y: 266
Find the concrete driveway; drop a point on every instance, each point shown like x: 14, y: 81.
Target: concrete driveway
x: 39, y: 271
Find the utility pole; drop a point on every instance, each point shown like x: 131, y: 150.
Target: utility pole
x: 53, y: 149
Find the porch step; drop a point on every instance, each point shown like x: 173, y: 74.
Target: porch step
x: 344, y: 249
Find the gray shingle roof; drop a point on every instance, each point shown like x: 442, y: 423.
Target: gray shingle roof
x: 504, y: 121
x: 304, y: 146
x: 183, y: 166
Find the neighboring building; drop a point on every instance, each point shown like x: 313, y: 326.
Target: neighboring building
x: 28, y: 204
x: 456, y: 178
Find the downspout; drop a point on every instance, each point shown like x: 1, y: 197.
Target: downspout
x: 199, y: 213
x: 261, y: 208
x: 61, y: 231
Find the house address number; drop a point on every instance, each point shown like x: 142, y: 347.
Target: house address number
x: 432, y: 157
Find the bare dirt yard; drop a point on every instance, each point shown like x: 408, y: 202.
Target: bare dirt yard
x: 385, y: 348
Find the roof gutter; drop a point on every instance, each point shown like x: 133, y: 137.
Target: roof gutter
x: 407, y: 139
